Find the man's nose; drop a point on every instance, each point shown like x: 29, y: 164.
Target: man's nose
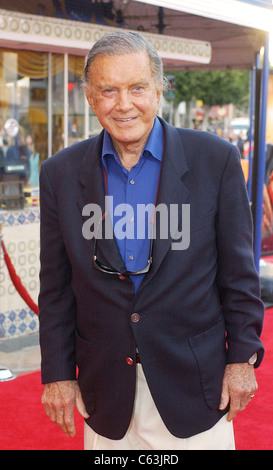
x: 124, y: 101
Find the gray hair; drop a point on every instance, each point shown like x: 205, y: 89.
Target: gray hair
x: 124, y: 42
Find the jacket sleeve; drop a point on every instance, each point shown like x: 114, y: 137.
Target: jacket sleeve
x: 237, y: 278
x: 56, y: 299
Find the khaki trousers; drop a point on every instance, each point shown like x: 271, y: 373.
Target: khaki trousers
x: 148, y: 432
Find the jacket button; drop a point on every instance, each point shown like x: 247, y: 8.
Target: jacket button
x: 135, y: 317
x: 129, y: 361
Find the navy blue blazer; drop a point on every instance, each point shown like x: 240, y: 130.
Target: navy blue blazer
x: 198, y: 308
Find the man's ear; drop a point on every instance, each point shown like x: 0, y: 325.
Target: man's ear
x: 89, y: 98
x: 159, y: 92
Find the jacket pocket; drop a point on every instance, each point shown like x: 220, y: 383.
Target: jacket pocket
x: 209, y: 349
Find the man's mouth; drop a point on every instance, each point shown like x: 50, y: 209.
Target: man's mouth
x: 125, y: 119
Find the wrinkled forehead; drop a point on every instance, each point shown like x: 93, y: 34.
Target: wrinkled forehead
x: 135, y: 67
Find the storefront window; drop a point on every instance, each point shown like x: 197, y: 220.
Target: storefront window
x: 42, y: 110
x: 82, y: 122
x: 23, y: 124
x: 57, y: 102
x: 76, y: 101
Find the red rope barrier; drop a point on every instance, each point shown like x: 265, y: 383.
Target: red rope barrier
x: 17, y: 281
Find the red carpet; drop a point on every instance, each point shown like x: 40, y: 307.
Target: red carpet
x: 23, y: 422
x: 254, y: 427
x: 25, y: 426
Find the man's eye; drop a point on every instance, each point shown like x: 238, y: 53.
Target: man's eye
x: 137, y: 89
x: 108, y: 91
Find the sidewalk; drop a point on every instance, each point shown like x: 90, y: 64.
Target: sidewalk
x: 21, y: 354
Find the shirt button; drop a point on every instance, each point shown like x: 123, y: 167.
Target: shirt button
x: 129, y: 361
x: 132, y: 182
x: 135, y: 317
x: 131, y: 258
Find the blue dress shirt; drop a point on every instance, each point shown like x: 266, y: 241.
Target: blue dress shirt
x: 129, y: 189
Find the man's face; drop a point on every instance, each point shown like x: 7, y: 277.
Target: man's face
x: 124, y: 96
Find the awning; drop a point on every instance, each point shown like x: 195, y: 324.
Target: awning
x: 229, y: 11
x: 236, y: 30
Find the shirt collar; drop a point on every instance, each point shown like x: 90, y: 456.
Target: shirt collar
x: 154, y: 144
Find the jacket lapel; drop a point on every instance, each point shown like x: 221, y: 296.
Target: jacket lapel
x: 90, y: 175
x: 92, y: 191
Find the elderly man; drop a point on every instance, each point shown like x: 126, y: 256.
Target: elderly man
x: 165, y: 333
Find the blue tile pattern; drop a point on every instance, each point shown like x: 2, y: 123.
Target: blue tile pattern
x: 23, y: 250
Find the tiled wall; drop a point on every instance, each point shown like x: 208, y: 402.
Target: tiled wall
x: 21, y: 235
